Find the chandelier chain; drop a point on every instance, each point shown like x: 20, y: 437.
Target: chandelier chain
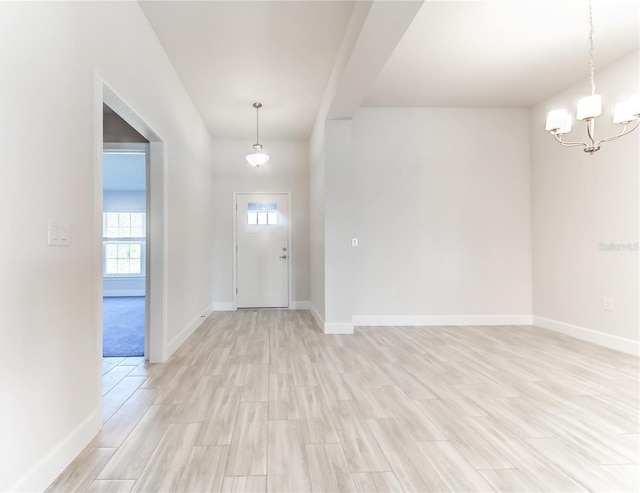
x: 593, y: 84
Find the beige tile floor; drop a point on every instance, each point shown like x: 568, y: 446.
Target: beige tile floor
x: 263, y: 401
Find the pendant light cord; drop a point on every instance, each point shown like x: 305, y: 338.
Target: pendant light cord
x: 593, y: 84
x: 257, y: 126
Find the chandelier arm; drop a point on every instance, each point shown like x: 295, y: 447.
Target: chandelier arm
x: 569, y: 144
x: 591, y: 130
x: 624, y: 132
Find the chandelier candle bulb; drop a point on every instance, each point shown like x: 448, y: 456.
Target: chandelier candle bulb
x: 589, y: 107
x: 634, y: 105
x: 623, y: 113
x: 557, y: 119
x: 566, y: 127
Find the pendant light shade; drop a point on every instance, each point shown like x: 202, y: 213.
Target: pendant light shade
x: 257, y: 158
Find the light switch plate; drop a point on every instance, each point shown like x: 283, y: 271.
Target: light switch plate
x: 354, y: 242
x: 58, y: 233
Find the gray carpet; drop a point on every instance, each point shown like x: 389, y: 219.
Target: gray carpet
x: 123, y: 326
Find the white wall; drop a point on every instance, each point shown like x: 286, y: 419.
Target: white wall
x: 123, y: 286
x: 442, y: 211
x: 339, y: 202
x: 316, y: 222
x: 50, y: 296
x: 341, y: 96
x: 579, y: 202
x: 287, y: 171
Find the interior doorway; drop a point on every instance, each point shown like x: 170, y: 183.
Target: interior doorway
x: 124, y: 244
x: 155, y: 244
x: 262, y: 250
x: 133, y: 232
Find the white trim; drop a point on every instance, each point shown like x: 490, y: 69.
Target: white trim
x: 113, y: 293
x: 184, y: 334
x: 157, y: 252
x: 338, y: 328
x: 227, y: 306
x: 234, y: 248
x: 622, y: 344
x: 430, y: 320
x: 235, y: 244
x: 125, y: 147
x: 98, y: 210
x: 114, y: 99
x: 60, y: 456
x: 316, y: 315
x: 291, y: 252
x: 300, y: 305
x: 156, y: 281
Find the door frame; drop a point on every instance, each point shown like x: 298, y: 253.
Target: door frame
x: 157, y: 259
x: 290, y: 251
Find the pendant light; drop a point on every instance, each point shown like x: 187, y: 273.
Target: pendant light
x: 257, y: 158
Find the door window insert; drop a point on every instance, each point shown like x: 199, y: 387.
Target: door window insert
x: 262, y: 213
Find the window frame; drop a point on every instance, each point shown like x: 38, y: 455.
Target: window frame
x: 125, y: 241
x: 262, y: 210
x: 129, y: 240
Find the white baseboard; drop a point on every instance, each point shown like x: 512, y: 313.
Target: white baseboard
x: 429, y: 320
x: 316, y: 315
x: 338, y: 328
x: 112, y: 293
x: 47, y: 469
x: 300, y: 305
x: 226, y: 306
x: 610, y: 341
x: 184, y: 334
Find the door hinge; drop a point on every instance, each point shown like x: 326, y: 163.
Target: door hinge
x: 236, y: 290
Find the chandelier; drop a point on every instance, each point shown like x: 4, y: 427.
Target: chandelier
x: 626, y: 113
x: 257, y: 158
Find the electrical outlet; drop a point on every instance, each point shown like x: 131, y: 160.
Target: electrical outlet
x: 394, y: 291
x: 607, y: 304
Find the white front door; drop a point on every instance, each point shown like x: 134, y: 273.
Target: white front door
x: 262, y: 246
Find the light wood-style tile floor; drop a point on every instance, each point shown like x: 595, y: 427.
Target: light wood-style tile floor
x: 263, y: 401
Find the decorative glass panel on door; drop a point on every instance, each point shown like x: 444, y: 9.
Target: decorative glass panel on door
x: 262, y: 213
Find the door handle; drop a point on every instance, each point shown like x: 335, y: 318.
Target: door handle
x: 283, y: 256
